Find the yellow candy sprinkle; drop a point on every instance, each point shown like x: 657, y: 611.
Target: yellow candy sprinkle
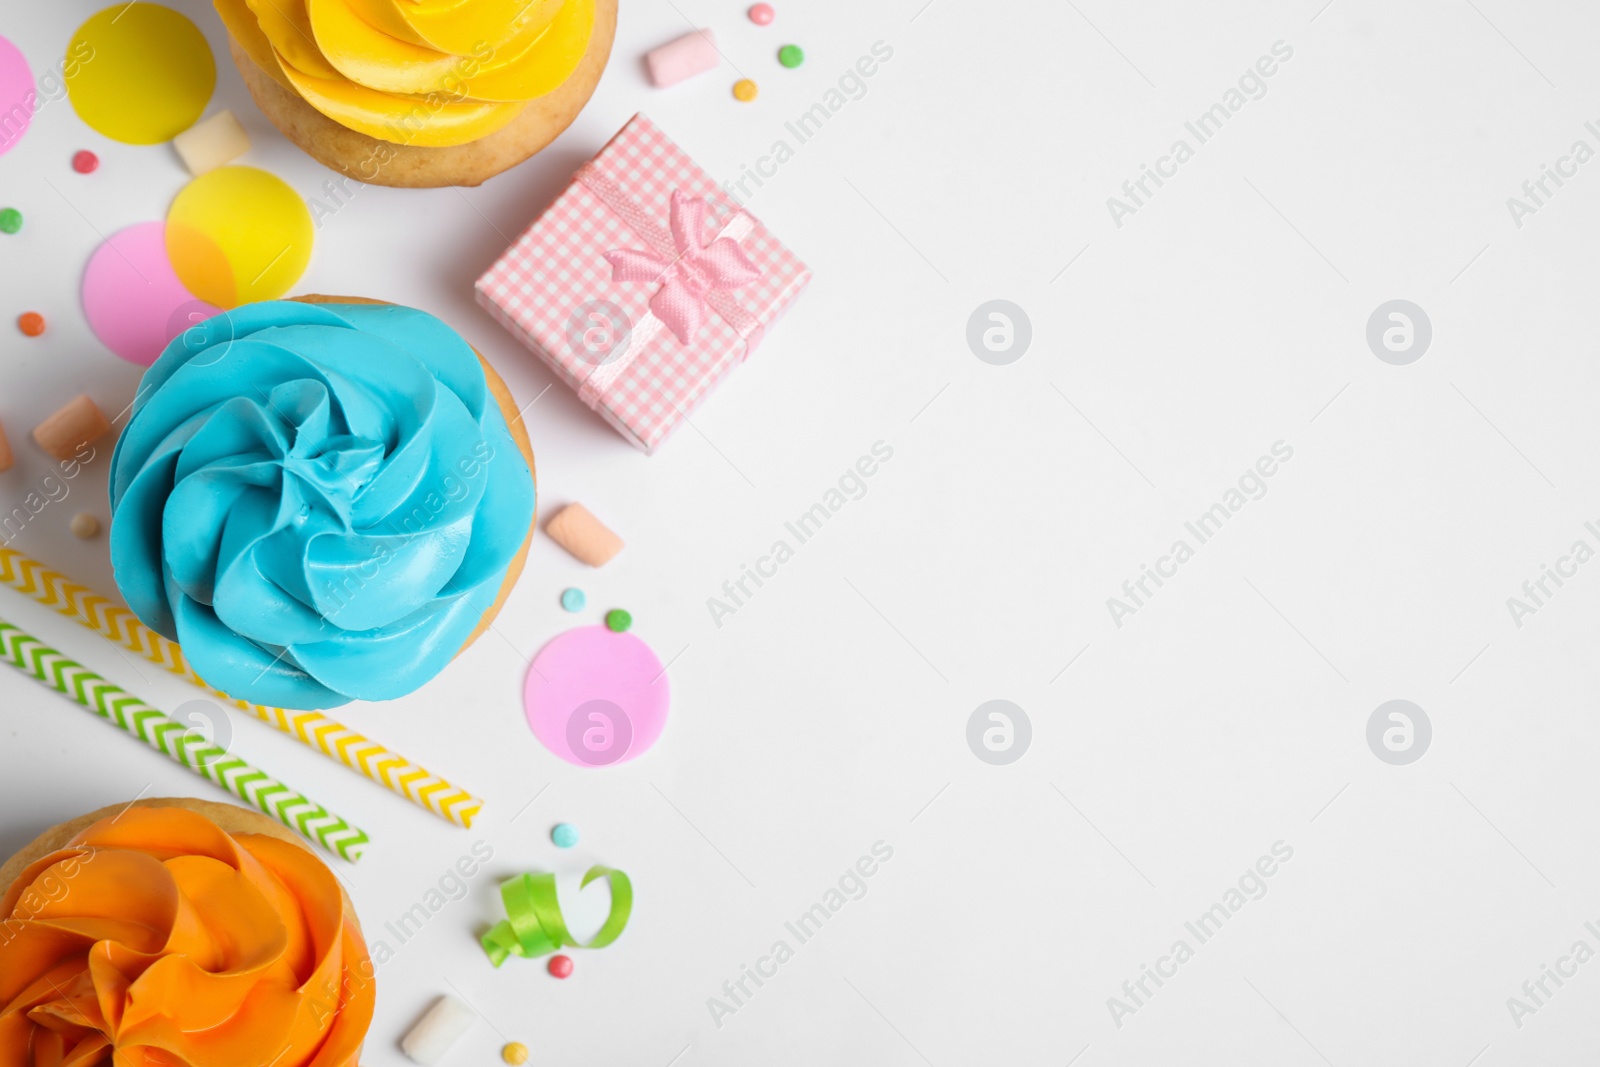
x: 515, y: 1053
x: 744, y: 89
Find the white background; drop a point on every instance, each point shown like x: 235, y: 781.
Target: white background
x: 1228, y: 714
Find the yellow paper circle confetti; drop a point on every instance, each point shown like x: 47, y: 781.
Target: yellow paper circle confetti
x: 144, y: 73
x: 238, y: 235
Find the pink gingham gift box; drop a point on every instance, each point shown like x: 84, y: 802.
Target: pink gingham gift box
x: 643, y: 284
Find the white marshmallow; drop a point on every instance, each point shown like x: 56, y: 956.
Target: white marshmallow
x: 436, y: 1031
x: 218, y: 140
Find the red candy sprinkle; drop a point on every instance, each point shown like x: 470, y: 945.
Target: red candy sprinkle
x: 85, y: 162
x: 560, y: 966
x: 31, y: 323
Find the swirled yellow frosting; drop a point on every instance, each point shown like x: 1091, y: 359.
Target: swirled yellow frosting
x: 431, y: 73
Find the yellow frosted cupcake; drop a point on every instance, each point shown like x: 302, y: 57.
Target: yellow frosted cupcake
x: 421, y: 92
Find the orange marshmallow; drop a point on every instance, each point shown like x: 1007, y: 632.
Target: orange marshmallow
x: 78, y: 423
x: 576, y: 529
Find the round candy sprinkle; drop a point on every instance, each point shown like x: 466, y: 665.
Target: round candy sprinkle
x: 745, y: 90
x: 791, y: 56
x: 565, y: 835
x: 618, y: 621
x: 574, y: 600
x: 560, y: 966
x: 85, y: 526
x: 85, y: 162
x: 10, y: 220
x: 31, y: 323
x: 516, y: 1054
x: 762, y: 14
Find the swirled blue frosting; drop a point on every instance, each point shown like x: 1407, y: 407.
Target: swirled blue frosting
x: 318, y: 502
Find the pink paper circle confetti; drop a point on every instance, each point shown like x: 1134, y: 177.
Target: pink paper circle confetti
x: 133, y: 300
x: 18, y: 98
x: 596, y: 698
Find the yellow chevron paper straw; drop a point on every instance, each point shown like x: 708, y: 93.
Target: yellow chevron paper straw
x: 312, y: 728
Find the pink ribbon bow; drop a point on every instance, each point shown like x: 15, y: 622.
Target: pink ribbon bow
x: 697, y: 270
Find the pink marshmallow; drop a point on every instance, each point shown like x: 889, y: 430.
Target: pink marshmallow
x: 693, y: 53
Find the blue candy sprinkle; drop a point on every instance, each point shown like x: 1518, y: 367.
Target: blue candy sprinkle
x: 565, y: 835
x: 574, y: 600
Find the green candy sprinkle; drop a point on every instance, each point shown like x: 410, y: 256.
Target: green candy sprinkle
x: 791, y: 56
x: 10, y: 220
x: 618, y: 620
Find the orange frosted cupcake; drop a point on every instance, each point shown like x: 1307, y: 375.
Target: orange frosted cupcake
x: 421, y: 92
x: 178, y: 933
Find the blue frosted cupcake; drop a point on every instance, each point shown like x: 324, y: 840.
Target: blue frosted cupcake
x: 320, y: 500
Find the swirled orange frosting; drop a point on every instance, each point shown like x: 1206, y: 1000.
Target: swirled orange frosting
x: 432, y: 73
x: 156, y: 939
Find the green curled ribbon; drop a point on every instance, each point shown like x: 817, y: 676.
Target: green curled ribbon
x: 533, y: 926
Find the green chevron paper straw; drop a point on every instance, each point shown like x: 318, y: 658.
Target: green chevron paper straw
x: 180, y: 742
